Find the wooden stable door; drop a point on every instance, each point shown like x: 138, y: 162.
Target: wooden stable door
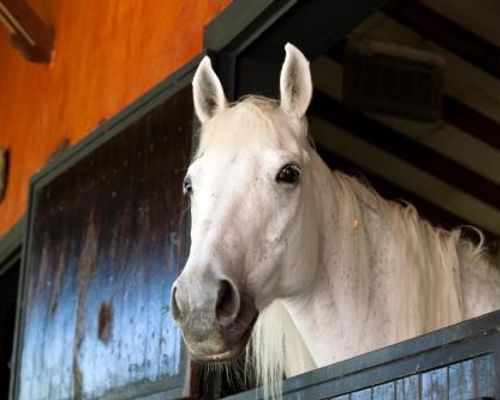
x: 107, y: 237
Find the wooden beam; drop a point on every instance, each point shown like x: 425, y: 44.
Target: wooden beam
x: 28, y: 32
x: 471, y: 121
x: 447, y: 33
x: 388, y: 139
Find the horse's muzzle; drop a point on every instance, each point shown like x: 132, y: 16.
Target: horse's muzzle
x: 216, y: 318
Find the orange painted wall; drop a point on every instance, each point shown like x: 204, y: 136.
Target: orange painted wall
x: 107, y: 53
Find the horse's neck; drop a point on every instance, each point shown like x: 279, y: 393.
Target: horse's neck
x: 337, y: 303
x: 361, y: 298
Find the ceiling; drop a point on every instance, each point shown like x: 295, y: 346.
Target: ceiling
x: 450, y: 169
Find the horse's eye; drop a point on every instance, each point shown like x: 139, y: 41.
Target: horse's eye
x: 288, y: 174
x: 187, y: 186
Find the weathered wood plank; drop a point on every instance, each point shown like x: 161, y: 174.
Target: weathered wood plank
x: 484, y: 376
x: 461, y: 380
x: 407, y: 388
x: 365, y: 394
x: 384, y: 392
x: 435, y: 384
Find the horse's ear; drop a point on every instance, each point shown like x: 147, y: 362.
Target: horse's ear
x: 208, y: 94
x: 295, y: 82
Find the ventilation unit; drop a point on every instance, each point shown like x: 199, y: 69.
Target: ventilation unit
x: 395, y: 80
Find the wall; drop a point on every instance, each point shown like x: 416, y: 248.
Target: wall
x: 107, y: 53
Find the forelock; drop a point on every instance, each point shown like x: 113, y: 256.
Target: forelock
x: 253, y: 120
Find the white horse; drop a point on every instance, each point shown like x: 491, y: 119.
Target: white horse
x: 318, y: 265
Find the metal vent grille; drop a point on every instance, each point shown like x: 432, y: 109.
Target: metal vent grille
x: 394, y: 80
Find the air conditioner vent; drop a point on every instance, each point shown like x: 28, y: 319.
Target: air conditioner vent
x: 395, y: 80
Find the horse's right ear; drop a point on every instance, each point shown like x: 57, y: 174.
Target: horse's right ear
x: 208, y: 94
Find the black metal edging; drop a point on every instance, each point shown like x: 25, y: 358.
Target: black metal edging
x: 449, y: 345
x: 103, y: 133
x: 240, y: 15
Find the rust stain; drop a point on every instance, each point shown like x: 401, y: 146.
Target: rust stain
x: 86, y: 267
x: 105, y: 323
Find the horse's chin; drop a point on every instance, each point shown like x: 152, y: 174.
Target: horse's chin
x: 230, y: 346
x: 225, y: 356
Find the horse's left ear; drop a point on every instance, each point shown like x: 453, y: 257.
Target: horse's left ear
x: 208, y: 95
x: 295, y: 82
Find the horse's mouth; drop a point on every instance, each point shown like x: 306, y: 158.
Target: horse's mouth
x: 232, y: 350
x: 227, y: 355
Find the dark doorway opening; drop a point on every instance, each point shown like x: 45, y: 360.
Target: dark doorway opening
x: 8, y: 302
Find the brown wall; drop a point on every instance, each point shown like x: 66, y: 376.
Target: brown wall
x: 107, y: 53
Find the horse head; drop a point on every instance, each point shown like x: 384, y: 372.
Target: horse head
x: 253, y: 216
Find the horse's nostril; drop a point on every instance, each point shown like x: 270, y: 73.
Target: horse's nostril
x: 228, y: 303
x: 176, y: 311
